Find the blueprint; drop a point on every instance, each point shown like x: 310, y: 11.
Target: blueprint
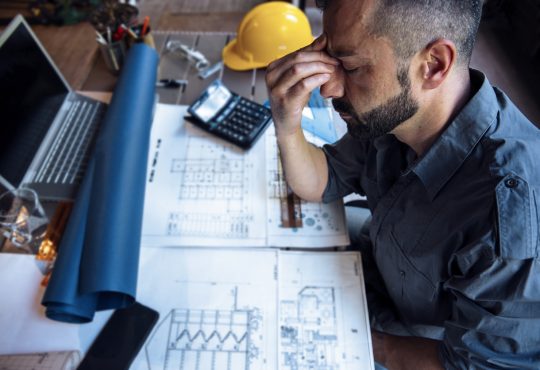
x: 254, y: 309
x: 203, y: 191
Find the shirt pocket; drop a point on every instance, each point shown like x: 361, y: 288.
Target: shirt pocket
x: 413, y: 292
x: 518, y: 223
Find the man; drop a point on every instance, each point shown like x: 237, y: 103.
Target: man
x: 450, y: 170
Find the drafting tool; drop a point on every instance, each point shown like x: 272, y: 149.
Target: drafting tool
x: 290, y: 203
x: 194, y: 56
x: 209, y: 71
x: 67, y: 360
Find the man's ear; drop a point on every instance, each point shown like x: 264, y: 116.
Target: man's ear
x: 438, y: 59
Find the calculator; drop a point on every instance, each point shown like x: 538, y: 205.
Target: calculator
x: 228, y: 115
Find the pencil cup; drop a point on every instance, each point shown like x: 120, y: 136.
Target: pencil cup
x: 113, y: 55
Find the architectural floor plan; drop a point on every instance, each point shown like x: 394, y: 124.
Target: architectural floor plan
x: 203, y: 191
x: 254, y: 309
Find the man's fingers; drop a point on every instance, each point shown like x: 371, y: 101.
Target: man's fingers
x: 302, y: 56
x: 286, y: 106
x: 297, y: 73
x: 312, y: 52
x: 307, y: 85
x: 274, y: 72
x: 291, y: 79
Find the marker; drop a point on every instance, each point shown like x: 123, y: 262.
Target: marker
x: 145, y: 26
x: 119, y: 34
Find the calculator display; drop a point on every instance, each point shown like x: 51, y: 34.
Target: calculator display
x: 218, y: 96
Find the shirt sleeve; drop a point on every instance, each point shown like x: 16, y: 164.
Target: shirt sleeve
x: 495, y: 283
x: 346, y: 159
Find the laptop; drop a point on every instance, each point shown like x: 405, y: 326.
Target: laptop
x: 47, y: 131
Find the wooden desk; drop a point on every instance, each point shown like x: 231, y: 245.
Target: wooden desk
x: 75, y: 51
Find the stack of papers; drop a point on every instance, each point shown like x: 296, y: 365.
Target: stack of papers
x: 257, y: 309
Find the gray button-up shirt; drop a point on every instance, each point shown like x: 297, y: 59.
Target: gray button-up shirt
x: 455, y: 234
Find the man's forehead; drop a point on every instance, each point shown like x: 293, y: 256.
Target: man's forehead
x: 346, y: 24
x: 349, y: 13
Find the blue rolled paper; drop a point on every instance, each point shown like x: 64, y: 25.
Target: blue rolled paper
x: 97, y: 263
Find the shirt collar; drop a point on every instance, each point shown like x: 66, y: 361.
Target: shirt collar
x: 456, y: 143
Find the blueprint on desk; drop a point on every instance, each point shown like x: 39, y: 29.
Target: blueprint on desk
x: 203, y: 191
x: 254, y: 309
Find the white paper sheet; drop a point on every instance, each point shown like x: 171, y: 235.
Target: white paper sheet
x: 23, y: 325
x: 254, y: 309
x: 203, y: 191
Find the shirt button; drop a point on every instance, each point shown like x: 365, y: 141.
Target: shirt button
x: 402, y: 273
x: 511, y: 183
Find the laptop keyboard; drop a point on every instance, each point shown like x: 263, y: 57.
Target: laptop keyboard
x: 68, y: 157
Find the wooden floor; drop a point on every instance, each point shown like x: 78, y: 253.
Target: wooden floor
x: 75, y: 51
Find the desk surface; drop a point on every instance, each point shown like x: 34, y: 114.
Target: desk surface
x: 75, y: 51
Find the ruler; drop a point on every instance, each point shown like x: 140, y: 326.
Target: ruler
x: 67, y: 360
x: 290, y: 203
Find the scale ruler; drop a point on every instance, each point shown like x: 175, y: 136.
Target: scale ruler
x: 67, y: 360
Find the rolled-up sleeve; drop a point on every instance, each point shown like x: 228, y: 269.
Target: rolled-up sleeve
x: 496, y: 317
x: 346, y: 160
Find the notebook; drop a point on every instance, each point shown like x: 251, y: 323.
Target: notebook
x: 47, y: 131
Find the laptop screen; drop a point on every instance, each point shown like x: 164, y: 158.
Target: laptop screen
x: 31, y: 94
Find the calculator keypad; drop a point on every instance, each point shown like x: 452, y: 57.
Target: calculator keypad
x: 241, y: 122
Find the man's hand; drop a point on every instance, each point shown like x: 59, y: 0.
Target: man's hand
x: 290, y: 81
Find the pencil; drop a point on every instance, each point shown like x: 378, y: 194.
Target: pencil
x: 129, y: 31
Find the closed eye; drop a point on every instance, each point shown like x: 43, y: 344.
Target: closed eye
x: 357, y: 70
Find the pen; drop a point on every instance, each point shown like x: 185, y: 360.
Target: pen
x: 129, y: 31
x: 101, y: 39
x: 171, y: 83
x: 145, y: 26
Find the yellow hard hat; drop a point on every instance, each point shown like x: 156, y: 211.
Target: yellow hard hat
x: 266, y: 33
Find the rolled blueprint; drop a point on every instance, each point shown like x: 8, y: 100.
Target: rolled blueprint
x: 97, y: 262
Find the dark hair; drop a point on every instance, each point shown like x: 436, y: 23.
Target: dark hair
x: 411, y: 25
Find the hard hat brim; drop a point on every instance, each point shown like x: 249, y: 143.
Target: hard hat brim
x: 235, y: 61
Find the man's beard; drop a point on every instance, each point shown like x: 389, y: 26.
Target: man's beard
x: 384, y: 118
